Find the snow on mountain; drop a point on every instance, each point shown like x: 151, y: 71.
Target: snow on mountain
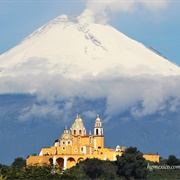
x: 67, y: 59
x: 63, y: 46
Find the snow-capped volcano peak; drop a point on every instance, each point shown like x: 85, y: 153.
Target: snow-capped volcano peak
x: 65, y: 46
x: 60, y: 20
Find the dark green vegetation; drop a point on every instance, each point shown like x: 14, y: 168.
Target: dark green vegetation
x: 131, y: 165
x: 169, y: 169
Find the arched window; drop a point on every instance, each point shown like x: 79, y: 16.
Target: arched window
x: 74, y: 132
x: 80, y: 131
x: 51, y: 161
x: 96, y: 131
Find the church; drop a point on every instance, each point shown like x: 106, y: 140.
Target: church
x: 75, y: 145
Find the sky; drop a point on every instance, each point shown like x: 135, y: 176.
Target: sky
x: 153, y: 23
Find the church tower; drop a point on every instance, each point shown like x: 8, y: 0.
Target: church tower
x: 98, y: 129
x: 98, y: 134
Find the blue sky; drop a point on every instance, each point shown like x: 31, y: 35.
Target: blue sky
x: 153, y: 23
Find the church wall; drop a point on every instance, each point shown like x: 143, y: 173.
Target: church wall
x: 64, y: 149
x: 31, y: 160
x: 151, y: 157
x: 46, y: 151
x: 84, y: 140
x: 75, y: 149
x: 103, y: 154
x: 99, y: 142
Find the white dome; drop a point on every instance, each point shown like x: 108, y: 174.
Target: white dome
x: 77, y: 127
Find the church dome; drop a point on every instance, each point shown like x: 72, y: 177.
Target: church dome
x: 77, y: 127
x: 66, y: 136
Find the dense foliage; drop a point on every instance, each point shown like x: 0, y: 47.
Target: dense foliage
x: 131, y: 165
x: 97, y: 169
x: 165, y: 174
x: 19, y: 162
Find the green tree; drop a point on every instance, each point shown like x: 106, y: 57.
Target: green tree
x: 2, y: 177
x: 97, y: 169
x: 132, y: 165
x: 3, y: 172
x: 19, y: 162
x: 73, y: 173
x: 38, y: 172
x: 172, y: 160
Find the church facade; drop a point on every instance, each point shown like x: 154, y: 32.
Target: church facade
x: 74, y: 145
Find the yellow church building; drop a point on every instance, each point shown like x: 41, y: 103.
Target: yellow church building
x: 74, y: 145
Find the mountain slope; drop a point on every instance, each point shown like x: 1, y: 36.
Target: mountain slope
x: 63, y: 46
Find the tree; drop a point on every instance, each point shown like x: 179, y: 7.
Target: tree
x: 3, y: 171
x: 172, y: 160
x: 19, y: 162
x: 132, y: 165
x: 38, y: 172
x: 73, y: 173
x: 97, y: 169
x: 2, y: 177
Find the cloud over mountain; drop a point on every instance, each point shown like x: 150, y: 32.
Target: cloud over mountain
x: 100, y: 11
x: 143, y: 95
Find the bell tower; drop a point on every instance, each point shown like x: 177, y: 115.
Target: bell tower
x: 98, y: 134
x: 98, y: 129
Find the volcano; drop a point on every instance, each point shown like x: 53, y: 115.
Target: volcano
x: 64, y: 46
